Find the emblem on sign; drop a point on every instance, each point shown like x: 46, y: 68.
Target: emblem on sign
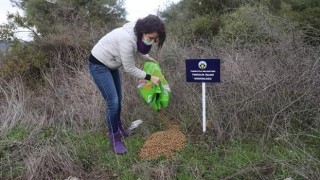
x: 202, y: 65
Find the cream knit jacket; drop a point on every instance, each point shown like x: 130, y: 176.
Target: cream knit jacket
x: 118, y: 48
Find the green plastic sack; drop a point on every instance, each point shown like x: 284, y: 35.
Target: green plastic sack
x: 157, y: 96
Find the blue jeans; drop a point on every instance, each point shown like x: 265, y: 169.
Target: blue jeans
x: 108, y: 82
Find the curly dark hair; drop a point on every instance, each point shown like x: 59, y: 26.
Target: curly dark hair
x: 151, y: 24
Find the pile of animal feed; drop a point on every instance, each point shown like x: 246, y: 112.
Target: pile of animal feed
x: 163, y: 143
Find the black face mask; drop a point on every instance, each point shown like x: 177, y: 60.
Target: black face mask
x: 142, y: 48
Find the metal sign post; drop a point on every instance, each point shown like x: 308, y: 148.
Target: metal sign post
x: 204, y: 125
x: 203, y: 70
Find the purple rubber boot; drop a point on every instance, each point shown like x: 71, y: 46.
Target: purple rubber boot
x: 116, y: 143
x: 123, y: 131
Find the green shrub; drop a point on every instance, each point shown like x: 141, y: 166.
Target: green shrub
x: 238, y: 26
x: 251, y: 25
x: 204, y: 26
x: 23, y: 59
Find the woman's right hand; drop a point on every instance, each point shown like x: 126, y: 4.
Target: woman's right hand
x: 155, y: 80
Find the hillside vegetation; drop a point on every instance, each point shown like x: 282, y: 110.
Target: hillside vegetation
x: 263, y: 118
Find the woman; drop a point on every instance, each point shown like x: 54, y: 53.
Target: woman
x: 117, y: 49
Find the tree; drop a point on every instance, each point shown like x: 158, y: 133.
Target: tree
x: 48, y: 16
x: 196, y: 19
x: 63, y: 32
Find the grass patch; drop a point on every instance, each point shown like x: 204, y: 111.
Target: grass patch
x: 202, y: 159
x: 11, y: 158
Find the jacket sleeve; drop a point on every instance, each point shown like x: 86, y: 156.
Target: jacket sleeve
x: 128, y: 62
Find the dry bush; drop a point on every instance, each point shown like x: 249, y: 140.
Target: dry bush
x: 51, y: 163
x: 269, y: 87
x: 67, y: 99
x: 13, y: 106
x: 73, y: 98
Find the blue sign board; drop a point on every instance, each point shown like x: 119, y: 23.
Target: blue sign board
x: 203, y: 70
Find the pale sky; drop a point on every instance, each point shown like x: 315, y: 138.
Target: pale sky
x: 5, y: 6
x: 135, y: 9
x: 141, y: 8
